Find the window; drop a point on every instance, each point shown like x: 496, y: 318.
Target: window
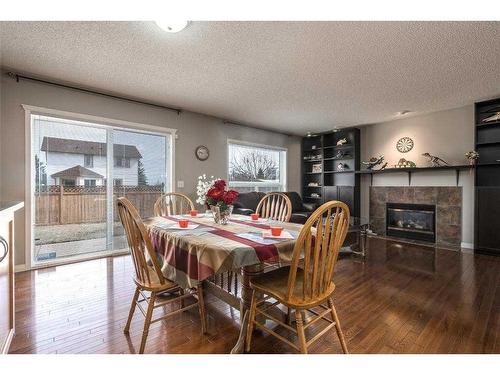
x: 62, y: 149
x: 256, y: 167
x: 122, y: 162
x: 88, y: 161
x: 68, y: 182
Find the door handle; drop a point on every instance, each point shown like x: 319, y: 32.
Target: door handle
x: 5, y: 246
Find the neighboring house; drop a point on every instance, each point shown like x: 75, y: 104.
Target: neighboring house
x: 73, y: 162
x: 77, y: 176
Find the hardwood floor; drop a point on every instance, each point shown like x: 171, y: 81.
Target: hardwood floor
x: 402, y: 299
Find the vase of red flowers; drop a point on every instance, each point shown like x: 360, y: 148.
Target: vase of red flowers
x: 220, y: 200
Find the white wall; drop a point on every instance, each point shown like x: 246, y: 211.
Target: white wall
x: 447, y: 134
x: 193, y: 130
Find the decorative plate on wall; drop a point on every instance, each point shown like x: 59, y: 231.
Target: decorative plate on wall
x: 202, y: 153
x: 405, y: 144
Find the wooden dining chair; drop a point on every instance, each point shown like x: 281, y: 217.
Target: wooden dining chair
x: 307, y: 284
x: 172, y: 204
x: 148, y: 276
x: 275, y: 206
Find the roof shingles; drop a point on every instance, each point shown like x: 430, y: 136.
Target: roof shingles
x: 77, y: 171
x: 74, y: 146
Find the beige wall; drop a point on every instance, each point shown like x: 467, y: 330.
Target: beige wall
x: 447, y: 134
x: 193, y: 130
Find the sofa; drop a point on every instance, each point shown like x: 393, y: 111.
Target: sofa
x: 246, y: 204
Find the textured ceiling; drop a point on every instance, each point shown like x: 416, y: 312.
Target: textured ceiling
x: 289, y: 76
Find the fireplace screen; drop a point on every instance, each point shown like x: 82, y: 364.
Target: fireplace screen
x: 412, y: 221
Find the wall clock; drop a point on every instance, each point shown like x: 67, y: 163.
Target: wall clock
x: 405, y: 144
x: 202, y: 153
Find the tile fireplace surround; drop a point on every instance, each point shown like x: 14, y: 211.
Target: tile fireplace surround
x: 448, y: 201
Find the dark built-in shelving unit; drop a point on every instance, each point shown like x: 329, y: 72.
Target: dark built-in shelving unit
x: 332, y: 184
x: 487, y: 179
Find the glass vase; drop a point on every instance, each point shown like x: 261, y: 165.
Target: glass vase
x: 221, y: 216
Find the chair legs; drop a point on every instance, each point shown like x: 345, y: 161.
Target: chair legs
x: 251, y: 318
x: 300, y: 321
x: 201, y: 307
x: 132, y: 310
x: 151, y: 305
x: 337, y: 327
x: 181, y: 293
x: 147, y: 321
x: 300, y: 331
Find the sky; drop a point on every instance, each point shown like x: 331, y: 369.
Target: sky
x: 151, y: 147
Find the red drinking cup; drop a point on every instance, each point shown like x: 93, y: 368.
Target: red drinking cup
x: 183, y: 223
x: 255, y: 216
x: 276, y: 231
x: 193, y: 213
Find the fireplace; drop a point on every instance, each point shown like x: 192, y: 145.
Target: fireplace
x: 411, y: 221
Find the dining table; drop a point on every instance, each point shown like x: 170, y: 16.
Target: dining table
x: 206, y: 251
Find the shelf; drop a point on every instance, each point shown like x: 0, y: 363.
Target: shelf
x: 456, y: 168
x: 339, y: 147
x: 488, y: 143
x: 488, y: 164
x: 332, y: 155
x: 350, y: 171
x: 347, y: 158
x: 312, y: 172
x: 486, y: 124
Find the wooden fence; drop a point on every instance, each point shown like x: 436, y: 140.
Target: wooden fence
x: 75, y: 205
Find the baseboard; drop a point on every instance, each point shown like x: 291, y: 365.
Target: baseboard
x: 467, y: 245
x: 8, y: 341
x: 19, y: 268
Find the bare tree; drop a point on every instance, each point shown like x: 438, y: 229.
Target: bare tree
x: 252, y: 165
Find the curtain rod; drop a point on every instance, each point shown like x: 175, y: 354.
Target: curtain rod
x: 18, y: 77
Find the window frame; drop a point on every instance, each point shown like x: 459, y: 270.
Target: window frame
x: 283, y: 165
x: 96, y: 122
x: 90, y: 158
x: 68, y: 182
x: 124, y: 162
x: 90, y: 181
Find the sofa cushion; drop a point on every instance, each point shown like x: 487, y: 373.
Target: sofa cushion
x: 248, y: 200
x: 300, y: 217
x: 243, y: 211
x: 296, y: 201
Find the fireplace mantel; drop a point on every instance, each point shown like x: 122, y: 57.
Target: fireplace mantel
x: 410, y: 171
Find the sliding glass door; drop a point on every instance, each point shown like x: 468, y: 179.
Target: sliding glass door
x: 145, y: 155
x: 79, y: 169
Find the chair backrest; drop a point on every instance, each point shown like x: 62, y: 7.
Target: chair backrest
x: 275, y: 206
x: 147, y: 267
x: 173, y: 204
x: 318, y: 245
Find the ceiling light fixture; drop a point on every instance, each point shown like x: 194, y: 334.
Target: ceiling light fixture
x: 309, y: 134
x: 402, y: 113
x: 172, y: 26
